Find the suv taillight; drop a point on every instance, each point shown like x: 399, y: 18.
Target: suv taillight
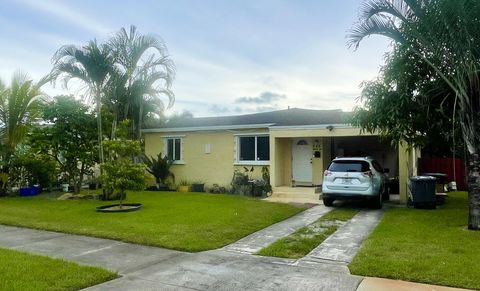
x: 327, y: 173
x: 368, y: 174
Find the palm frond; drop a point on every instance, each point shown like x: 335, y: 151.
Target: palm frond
x: 375, y: 25
x: 384, y: 17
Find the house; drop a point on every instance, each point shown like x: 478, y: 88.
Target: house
x: 296, y: 145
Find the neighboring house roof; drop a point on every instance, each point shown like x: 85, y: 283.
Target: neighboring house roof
x: 287, y: 117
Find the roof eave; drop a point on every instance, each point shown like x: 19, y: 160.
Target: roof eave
x: 207, y: 128
x: 313, y: 126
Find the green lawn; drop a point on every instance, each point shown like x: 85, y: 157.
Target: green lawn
x: 22, y: 271
x: 304, y: 240
x: 430, y: 246
x: 183, y: 221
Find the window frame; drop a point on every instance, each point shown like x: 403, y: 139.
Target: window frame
x: 251, y: 162
x: 165, y: 148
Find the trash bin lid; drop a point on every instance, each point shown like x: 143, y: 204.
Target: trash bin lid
x: 441, y: 177
x: 437, y: 175
x: 422, y: 178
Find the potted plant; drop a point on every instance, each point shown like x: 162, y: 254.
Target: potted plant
x: 198, y: 186
x: 183, y: 186
x: 160, y: 168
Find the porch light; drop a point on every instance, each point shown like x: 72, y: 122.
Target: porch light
x: 302, y: 142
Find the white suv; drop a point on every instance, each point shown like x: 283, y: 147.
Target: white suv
x: 355, y: 178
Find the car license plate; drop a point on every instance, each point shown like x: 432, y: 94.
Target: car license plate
x: 346, y: 181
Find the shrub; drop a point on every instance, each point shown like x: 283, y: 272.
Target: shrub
x: 120, y: 172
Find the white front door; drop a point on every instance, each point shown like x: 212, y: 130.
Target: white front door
x: 302, y: 161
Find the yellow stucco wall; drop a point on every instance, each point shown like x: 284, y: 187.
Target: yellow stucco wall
x: 282, y: 162
x: 216, y: 167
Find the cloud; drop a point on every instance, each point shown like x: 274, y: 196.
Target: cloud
x: 263, y: 98
x: 73, y: 16
x: 218, y: 109
x: 238, y: 109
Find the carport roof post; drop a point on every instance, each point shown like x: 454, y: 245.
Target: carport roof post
x: 407, y: 167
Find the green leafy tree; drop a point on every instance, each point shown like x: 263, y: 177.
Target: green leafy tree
x: 70, y: 138
x: 120, y: 172
x: 445, y: 36
x: 403, y: 106
x: 31, y: 168
x: 20, y: 107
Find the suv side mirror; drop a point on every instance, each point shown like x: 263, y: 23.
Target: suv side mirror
x: 386, y: 170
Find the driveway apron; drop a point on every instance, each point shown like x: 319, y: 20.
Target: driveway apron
x: 343, y: 245
x: 263, y: 238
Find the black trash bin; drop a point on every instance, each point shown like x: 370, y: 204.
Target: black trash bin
x: 422, y: 192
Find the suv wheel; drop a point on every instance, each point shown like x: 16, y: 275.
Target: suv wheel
x: 386, y: 193
x: 377, y: 202
x: 327, y: 201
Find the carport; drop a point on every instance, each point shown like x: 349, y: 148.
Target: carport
x: 299, y: 155
x: 378, y: 148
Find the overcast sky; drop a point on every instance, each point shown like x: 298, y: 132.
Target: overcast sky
x: 232, y: 57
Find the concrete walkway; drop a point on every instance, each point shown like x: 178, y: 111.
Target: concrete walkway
x: 263, y: 238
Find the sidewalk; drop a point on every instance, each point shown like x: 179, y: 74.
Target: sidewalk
x: 381, y: 284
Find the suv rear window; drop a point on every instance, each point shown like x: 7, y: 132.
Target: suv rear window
x: 349, y: 166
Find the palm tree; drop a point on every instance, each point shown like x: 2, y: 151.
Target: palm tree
x: 92, y: 65
x: 385, y: 17
x: 20, y: 107
x: 444, y: 34
x: 148, y: 70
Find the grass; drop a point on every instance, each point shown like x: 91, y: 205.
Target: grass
x: 182, y: 221
x: 304, y: 240
x: 23, y: 271
x: 429, y: 246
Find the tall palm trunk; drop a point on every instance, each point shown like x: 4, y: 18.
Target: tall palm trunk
x: 99, y: 126
x: 474, y: 191
x: 140, y: 119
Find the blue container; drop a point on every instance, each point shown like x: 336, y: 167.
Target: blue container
x: 29, y: 191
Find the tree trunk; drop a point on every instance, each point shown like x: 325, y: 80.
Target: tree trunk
x: 140, y: 117
x: 474, y: 192
x: 80, y: 179
x: 99, y: 127
x: 100, y: 134
x: 76, y: 188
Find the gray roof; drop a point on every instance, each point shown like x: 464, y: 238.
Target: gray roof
x: 287, y: 117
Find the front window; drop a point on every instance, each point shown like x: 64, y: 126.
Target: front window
x: 253, y: 149
x: 174, y: 149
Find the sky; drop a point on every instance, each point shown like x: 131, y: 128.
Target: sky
x: 231, y: 57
